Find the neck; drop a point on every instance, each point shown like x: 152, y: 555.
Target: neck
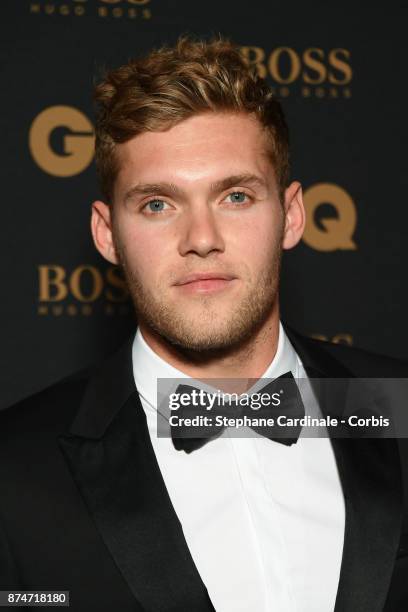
x: 249, y: 360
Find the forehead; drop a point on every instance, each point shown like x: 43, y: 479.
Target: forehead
x: 198, y: 147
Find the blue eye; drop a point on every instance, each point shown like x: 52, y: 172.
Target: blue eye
x: 156, y: 205
x: 237, y: 197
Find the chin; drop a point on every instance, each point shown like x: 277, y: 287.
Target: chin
x: 206, y: 339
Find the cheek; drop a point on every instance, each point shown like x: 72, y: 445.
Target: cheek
x: 143, y: 253
x: 256, y: 240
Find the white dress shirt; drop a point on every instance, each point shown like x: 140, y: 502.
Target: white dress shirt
x: 264, y: 522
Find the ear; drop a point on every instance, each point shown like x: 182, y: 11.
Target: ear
x: 294, y: 215
x: 101, y: 227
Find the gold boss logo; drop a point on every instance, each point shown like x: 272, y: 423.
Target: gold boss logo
x: 77, y: 141
x: 329, y: 234
x: 339, y: 338
x: 76, y: 291
x: 100, y: 8
x: 321, y: 73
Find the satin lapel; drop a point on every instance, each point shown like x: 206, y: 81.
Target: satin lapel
x: 370, y: 475
x: 111, y: 458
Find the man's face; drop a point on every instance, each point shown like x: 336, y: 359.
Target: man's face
x: 200, y: 201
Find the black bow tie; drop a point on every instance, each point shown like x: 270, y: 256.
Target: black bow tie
x: 285, y: 402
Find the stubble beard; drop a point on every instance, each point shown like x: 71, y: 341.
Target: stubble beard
x: 206, y: 333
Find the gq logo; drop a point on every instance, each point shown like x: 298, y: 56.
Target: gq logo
x: 68, y: 129
x: 328, y: 233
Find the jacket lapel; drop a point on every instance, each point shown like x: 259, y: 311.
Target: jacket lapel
x: 110, y: 456
x: 369, y: 471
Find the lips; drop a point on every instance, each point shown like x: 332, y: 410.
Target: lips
x: 204, y: 276
x: 205, y: 283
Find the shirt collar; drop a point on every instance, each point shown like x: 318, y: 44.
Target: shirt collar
x: 148, y: 366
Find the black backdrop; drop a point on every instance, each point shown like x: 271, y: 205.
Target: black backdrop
x: 341, y: 75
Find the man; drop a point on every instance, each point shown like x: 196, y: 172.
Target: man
x: 192, y: 153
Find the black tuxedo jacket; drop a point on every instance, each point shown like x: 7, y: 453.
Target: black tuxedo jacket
x: 83, y: 506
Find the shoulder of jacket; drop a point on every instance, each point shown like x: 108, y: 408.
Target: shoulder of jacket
x: 51, y: 408
x: 363, y: 363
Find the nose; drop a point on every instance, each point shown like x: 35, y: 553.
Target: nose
x: 200, y: 234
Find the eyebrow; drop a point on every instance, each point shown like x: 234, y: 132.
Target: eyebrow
x: 171, y: 189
